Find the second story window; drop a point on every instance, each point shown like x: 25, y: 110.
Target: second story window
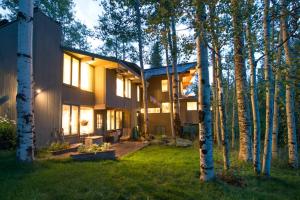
x: 87, y: 77
x: 164, y: 85
x: 165, y: 107
x: 127, y: 88
x: 191, y: 106
x: 138, y: 93
x: 71, y: 71
x: 120, y: 86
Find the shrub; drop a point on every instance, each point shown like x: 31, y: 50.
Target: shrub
x: 8, y: 138
x: 57, y: 146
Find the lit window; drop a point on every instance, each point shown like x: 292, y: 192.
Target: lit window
x: 99, y: 122
x: 66, y: 119
x: 67, y: 69
x: 127, y: 88
x: 74, y: 120
x: 86, y: 120
x: 75, y: 72
x: 165, y: 107
x: 191, y: 106
x: 87, y: 77
x: 138, y: 93
x: 151, y: 110
x: 164, y: 85
x: 120, y: 86
x: 110, y: 120
x: 118, y: 119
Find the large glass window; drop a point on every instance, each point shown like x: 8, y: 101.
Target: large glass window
x: 74, y: 120
x: 164, y: 85
x: 165, y: 107
x: 86, y: 120
x: 66, y: 119
x: 110, y: 122
x: 138, y: 93
x: 87, y: 77
x: 151, y: 110
x: 191, y: 105
x: 120, y: 86
x: 75, y: 72
x: 118, y: 119
x: 67, y: 69
x: 127, y: 88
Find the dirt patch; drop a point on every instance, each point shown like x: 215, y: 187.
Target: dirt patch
x: 232, y: 179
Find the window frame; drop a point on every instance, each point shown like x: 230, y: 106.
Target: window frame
x: 167, y: 85
x: 194, y: 102
x: 70, y: 134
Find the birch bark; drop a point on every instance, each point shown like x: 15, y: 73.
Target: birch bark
x: 24, y: 98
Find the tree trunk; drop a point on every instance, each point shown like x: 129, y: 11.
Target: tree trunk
x: 233, y: 136
x: 205, y: 134
x: 276, y: 103
x: 245, y: 152
x: 170, y: 88
x: 221, y: 106
x: 145, y: 100
x: 289, y: 90
x: 24, y: 98
x: 175, y: 80
x: 253, y: 92
x: 267, y: 157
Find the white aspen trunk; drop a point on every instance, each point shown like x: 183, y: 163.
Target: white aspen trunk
x: 205, y: 134
x: 253, y: 93
x: 276, y: 103
x: 170, y: 92
x: 289, y: 90
x: 145, y: 100
x: 233, y: 121
x: 221, y: 106
x: 24, y: 98
x: 245, y: 152
x: 267, y: 156
x: 175, y: 78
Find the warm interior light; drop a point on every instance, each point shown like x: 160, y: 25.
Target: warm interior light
x: 86, y: 79
x: 38, y: 91
x: 86, y: 120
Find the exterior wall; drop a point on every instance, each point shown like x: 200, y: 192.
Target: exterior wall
x: 160, y: 122
x: 47, y: 62
x: 75, y: 96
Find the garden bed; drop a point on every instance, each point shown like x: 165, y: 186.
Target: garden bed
x: 70, y: 149
x: 103, y: 155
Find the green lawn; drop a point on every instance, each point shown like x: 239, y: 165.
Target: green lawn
x: 156, y: 172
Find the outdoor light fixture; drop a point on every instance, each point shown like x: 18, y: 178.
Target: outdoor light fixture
x: 38, y: 91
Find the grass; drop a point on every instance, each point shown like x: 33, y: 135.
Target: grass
x: 156, y: 172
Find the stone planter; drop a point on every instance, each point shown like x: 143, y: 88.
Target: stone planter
x: 103, y: 155
x: 72, y: 148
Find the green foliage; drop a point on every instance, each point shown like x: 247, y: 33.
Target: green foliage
x: 8, y: 136
x: 94, y: 148
x: 155, y: 57
x: 57, y: 146
x: 156, y: 172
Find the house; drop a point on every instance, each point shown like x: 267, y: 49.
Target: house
x: 76, y: 93
x: 159, y: 106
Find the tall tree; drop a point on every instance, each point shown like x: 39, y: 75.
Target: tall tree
x: 137, y: 6
x: 25, y: 118
x: 155, y: 57
x: 245, y: 152
x: 253, y: 90
x: 205, y: 134
x: 289, y: 89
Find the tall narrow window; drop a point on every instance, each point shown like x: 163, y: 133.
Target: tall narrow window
x: 75, y: 72
x: 138, y: 93
x: 127, y: 88
x: 66, y: 119
x: 118, y: 119
x: 86, y: 120
x: 99, y: 123
x: 67, y: 69
x: 120, y: 86
x: 87, y: 77
x: 74, y: 120
x: 164, y: 85
x: 110, y: 120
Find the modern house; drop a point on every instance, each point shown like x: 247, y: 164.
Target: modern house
x: 77, y: 93
x: 158, y: 94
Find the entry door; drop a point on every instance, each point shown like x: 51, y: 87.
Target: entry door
x: 99, y: 123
